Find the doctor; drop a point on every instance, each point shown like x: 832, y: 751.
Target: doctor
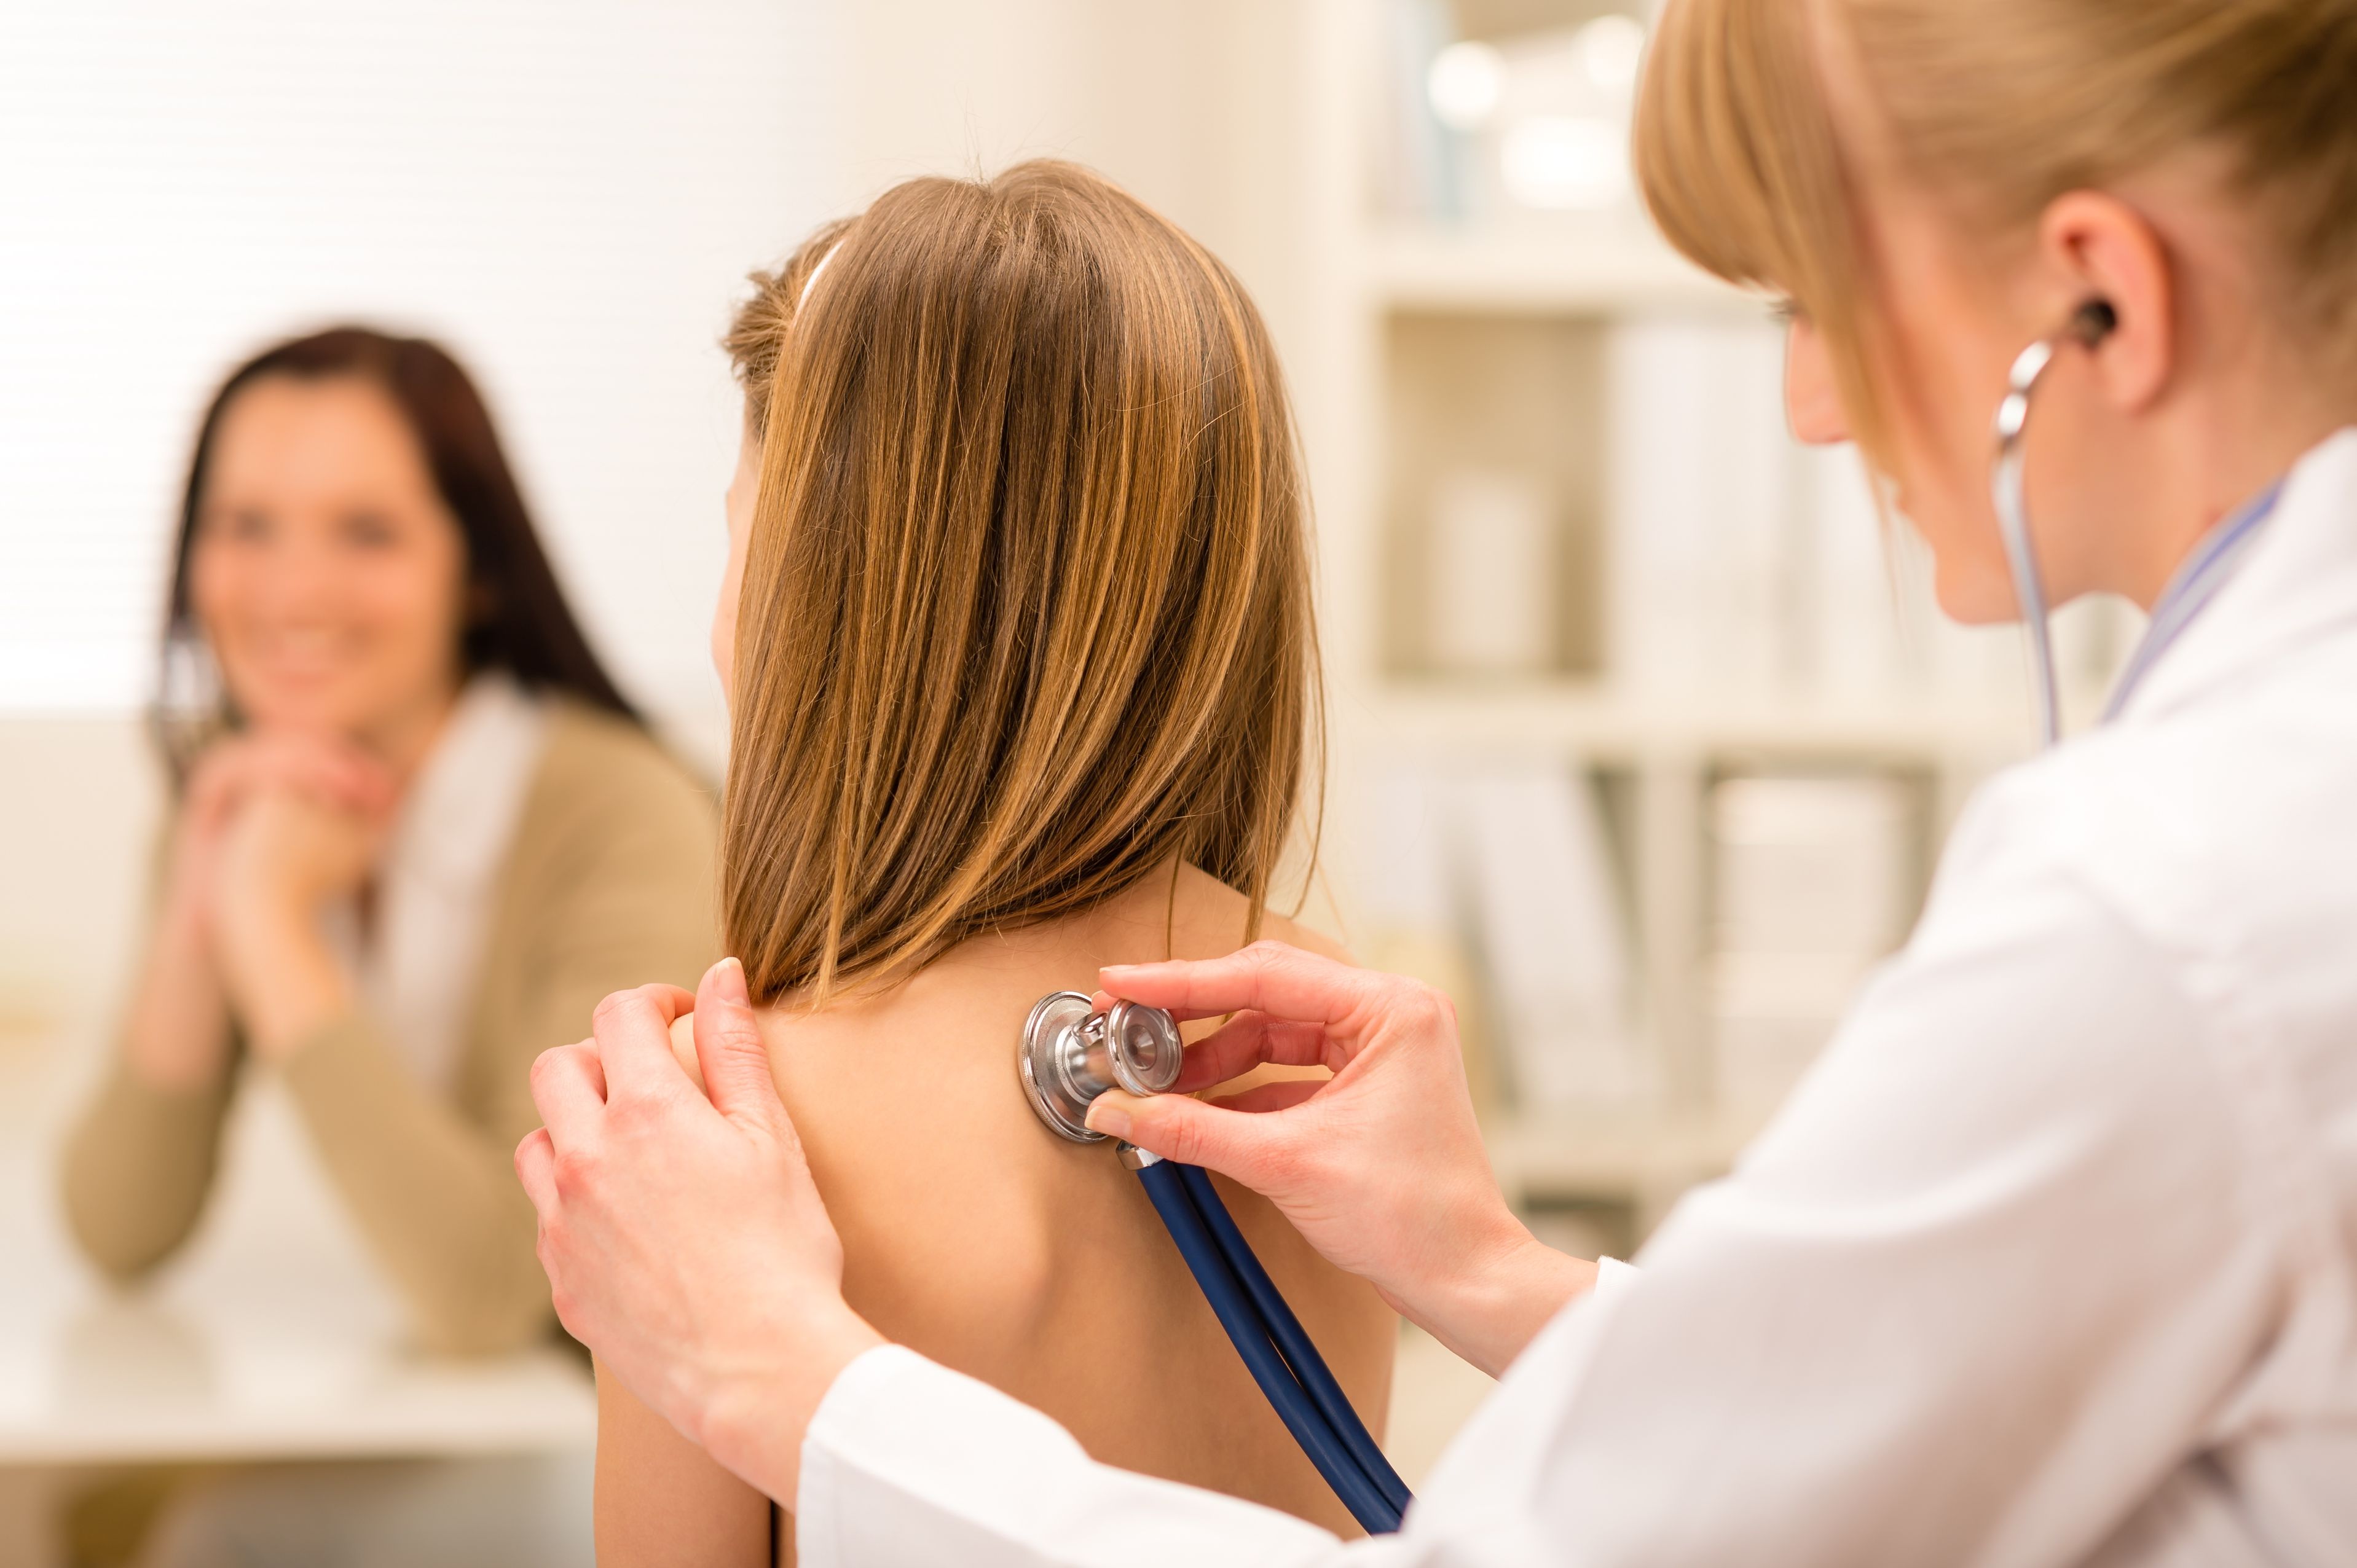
x: 2054, y: 1258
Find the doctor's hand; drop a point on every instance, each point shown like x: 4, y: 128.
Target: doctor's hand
x: 684, y: 1239
x: 1381, y: 1167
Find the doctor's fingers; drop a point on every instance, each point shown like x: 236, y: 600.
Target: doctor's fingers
x: 632, y: 1033
x: 568, y: 1087
x: 535, y: 1167
x: 1266, y: 977
x: 1251, y: 1039
x: 731, y: 1054
x: 1264, y: 1151
x: 1283, y: 1095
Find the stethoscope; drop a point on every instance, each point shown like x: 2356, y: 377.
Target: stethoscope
x: 1071, y: 1053
x: 2089, y: 324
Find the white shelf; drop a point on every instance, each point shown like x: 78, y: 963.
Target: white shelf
x: 1572, y: 271
x: 1575, y: 719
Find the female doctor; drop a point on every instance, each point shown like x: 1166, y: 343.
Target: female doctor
x: 2054, y: 1258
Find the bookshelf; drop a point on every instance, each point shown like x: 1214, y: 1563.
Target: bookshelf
x: 1430, y: 343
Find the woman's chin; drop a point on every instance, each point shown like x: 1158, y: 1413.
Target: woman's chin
x: 1976, y: 595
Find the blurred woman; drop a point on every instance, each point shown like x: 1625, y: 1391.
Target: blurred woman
x: 1021, y: 667
x: 416, y: 834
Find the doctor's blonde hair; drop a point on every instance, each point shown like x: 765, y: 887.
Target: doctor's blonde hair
x: 1026, y: 611
x: 2004, y: 104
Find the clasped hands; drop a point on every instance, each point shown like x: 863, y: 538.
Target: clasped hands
x: 687, y: 1246
x: 272, y: 825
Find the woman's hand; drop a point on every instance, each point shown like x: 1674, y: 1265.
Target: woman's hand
x: 284, y: 852
x: 231, y: 771
x: 288, y: 849
x: 684, y: 1241
x: 1381, y: 1167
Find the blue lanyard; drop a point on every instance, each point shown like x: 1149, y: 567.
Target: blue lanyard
x: 2210, y: 567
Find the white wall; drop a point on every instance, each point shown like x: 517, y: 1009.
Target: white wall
x: 1194, y: 105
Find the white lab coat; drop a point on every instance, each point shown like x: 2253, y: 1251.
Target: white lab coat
x: 2047, y: 1262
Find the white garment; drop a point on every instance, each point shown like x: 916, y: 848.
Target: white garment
x: 433, y: 881
x: 2047, y: 1262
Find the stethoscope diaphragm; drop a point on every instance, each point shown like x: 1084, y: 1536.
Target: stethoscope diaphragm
x: 1073, y: 1053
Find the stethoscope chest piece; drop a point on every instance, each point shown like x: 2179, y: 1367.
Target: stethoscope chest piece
x: 1071, y: 1055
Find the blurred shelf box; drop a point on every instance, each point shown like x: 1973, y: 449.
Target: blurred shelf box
x: 1492, y: 572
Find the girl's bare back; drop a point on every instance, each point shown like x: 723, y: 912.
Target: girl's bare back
x: 976, y: 1236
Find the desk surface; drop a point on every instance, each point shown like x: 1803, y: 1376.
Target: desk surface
x: 271, y: 1338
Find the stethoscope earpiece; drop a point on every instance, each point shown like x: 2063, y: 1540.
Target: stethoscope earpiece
x: 2094, y: 321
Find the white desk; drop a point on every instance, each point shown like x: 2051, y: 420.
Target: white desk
x: 271, y: 1338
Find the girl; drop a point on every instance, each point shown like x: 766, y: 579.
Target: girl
x: 1018, y: 637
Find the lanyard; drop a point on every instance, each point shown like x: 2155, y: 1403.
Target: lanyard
x: 2212, y: 565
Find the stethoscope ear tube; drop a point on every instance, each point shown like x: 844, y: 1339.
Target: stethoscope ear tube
x: 1282, y: 1360
x: 2088, y: 325
x: 2013, y: 524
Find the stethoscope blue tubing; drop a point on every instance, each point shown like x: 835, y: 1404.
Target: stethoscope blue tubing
x: 1341, y: 1450
x: 1292, y: 1341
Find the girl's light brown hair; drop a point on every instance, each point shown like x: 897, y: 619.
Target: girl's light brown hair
x: 2002, y: 105
x: 1026, y: 611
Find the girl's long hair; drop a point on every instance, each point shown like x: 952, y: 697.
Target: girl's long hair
x: 1026, y: 604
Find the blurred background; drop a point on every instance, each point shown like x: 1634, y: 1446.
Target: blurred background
x: 1644, y: 732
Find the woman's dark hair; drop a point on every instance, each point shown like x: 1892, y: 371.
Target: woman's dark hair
x: 520, y: 622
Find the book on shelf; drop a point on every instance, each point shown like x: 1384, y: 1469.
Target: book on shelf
x: 1503, y: 876
x: 1552, y: 940
x: 1698, y: 505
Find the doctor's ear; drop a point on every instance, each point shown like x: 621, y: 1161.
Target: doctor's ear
x: 2106, y: 260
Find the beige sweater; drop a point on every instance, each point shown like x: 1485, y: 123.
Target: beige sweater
x: 606, y: 883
